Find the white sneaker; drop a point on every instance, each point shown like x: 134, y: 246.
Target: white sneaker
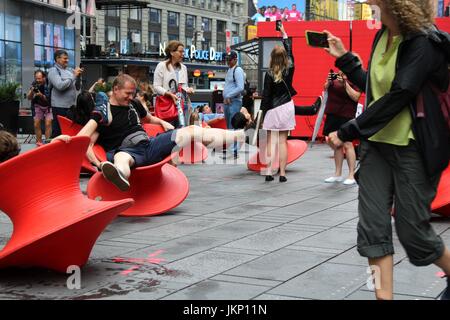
x: 333, y: 179
x: 349, y: 182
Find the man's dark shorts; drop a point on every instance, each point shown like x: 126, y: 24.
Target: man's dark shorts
x: 149, y: 152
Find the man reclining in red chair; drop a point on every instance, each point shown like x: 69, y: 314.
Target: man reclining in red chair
x: 116, y: 126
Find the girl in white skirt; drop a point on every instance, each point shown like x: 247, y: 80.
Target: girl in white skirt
x: 277, y: 105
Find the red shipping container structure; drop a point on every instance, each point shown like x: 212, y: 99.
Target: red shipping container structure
x: 313, y: 64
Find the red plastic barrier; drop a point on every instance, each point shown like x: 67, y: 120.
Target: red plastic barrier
x: 155, y: 189
x: 441, y: 203
x: 68, y: 127
x: 55, y: 225
x: 258, y: 161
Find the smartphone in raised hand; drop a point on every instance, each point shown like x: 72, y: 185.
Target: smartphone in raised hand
x: 278, y: 25
x: 317, y: 39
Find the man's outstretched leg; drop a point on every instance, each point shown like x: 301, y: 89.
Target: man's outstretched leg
x: 210, y: 137
x: 118, y: 172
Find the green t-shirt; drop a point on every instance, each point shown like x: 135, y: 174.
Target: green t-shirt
x: 398, y: 131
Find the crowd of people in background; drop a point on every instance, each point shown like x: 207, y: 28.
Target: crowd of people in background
x: 273, y: 13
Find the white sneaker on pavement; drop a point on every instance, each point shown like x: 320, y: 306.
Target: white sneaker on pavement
x: 349, y: 182
x: 334, y: 179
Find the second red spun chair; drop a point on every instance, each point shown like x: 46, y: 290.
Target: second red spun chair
x: 155, y: 189
x: 55, y: 225
x: 296, y: 148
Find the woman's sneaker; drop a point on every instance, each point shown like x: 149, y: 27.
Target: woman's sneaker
x: 333, y: 179
x: 113, y: 175
x: 102, y: 109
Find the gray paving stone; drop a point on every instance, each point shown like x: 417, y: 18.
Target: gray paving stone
x: 334, y: 239
x: 236, y: 230
x: 327, y: 281
x: 179, y: 229
x: 329, y: 218
x: 217, y: 290
x: 283, y: 200
x: 270, y: 240
x: 265, y: 296
x: 240, y: 212
x: 246, y: 280
x: 207, y: 264
x: 179, y: 248
x: 280, y: 265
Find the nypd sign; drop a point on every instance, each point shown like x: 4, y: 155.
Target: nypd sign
x: 193, y: 54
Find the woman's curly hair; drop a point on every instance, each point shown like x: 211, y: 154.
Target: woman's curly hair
x: 412, y: 15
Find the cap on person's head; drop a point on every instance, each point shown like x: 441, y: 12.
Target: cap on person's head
x: 232, y: 55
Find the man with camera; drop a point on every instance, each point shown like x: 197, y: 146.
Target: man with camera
x: 40, y: 103
x: 64, y: 82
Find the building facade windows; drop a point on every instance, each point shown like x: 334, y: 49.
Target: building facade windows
x: 221, y: 26
x: 48, y: 38
x: 154, y: 39
x: 190, y: 21
x: 235, y: 29
x: 112, y: 13
x: 135, y: 14
x: 10, y: 49
x: 155, y: 16
x: 173, y: 37
x: 173, y: 19
x: 206, y: 24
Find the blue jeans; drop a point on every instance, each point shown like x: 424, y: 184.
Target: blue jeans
x: 230, y: 110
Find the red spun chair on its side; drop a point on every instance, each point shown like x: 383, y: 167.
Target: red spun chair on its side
x: 155, y: 189
x: 441, y: 203
x: 258, y: 162
x: 55, y: 225
x: 68, y: 127
x: 196, y: 153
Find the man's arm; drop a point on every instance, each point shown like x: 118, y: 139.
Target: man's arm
x: 90, y: 151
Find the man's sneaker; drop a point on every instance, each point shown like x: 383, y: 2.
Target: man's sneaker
x: 446, y: 294
x: 102, y: 108
x: 333, y: 179
x: 113, y: 175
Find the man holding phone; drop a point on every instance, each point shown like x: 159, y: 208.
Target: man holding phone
x: 64, y: 82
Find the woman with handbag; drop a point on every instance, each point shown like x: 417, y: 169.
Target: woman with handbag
x: 404, y: 60
x: 168, y: 76
x: 277, y: 105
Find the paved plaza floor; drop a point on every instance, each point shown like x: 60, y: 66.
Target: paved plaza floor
x: 235, y: 237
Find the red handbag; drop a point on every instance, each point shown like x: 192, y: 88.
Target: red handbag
x: 165, y: 108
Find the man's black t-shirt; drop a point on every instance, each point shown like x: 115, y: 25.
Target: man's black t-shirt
x: 126, y: 120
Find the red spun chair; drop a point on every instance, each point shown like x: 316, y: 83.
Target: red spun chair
x: 296, y: 148
x: 219, y: 123
x: 441, y: 203
x: 155, y: 189
x: 55, y: 225
x: 68, y: 127
x: 196, y: 153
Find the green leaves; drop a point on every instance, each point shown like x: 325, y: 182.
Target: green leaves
x: 8, y: 92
